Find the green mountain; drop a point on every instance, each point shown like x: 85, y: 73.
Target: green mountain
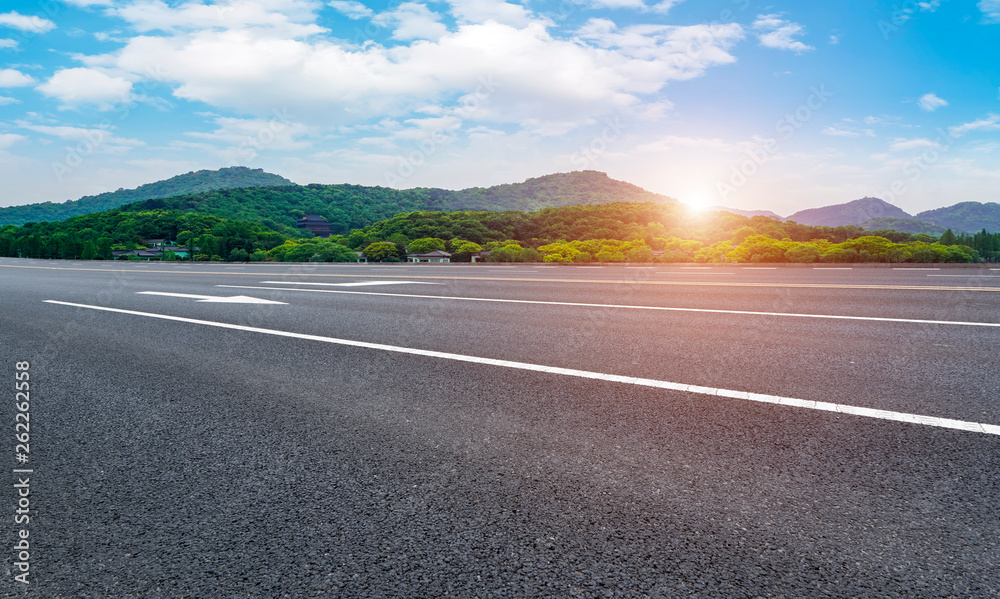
x: 349, y: 207
x: 193, y: 182
x: 851, y: 213
x: 966, y: 217
x: 903, y: 225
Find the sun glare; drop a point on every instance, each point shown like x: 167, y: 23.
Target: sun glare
x: 696, y: 203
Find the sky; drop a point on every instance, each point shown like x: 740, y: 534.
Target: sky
x: 781, y: 105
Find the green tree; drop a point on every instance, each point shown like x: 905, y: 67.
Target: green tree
x: 803, y: 253
x: 89, y: 251
x: 426, y: 245
x: 642, y: 253
x: 381, y: 250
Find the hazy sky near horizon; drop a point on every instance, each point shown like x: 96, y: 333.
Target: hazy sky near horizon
x: 775, y: 105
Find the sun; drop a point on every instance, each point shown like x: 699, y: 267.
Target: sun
x: 696, y: 202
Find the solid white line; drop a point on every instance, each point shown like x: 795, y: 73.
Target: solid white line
x: 968, y: 276
x: 614, y: 378
x: 354, y: 284
x: 760, y: 268
x: 910, y: 268
x: 832, y: 268
x: 623, y: 306
x: 700, y: 272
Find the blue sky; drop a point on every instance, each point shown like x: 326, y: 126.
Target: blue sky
x: 759, y: 105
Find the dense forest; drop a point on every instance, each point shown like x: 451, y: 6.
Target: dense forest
x: 616, y: 232
x: 349, y: 207
x: 193, y: 182
x: 95, y: 236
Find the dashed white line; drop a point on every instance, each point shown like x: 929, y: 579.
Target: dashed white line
x: 933, y: 421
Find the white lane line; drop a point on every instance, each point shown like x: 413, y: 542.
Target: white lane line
x: 832, y: 268
x: 911, y: 268
x: 760, y: 268
x: 627, y: 306
x: 968, y: 276
x: 934, y: 421
x: 701, y: 272
x: 354, y: 284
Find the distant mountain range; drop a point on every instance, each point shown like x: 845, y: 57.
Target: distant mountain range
x: 192, y: 182
x: 252, y: 194
x: 348, y: 207
x: 875, y: 214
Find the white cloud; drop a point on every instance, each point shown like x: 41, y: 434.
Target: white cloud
x: 509, y: 73
x: 103, y: 141
x: 351, y: 9
x: 613, y: 4
x: 240, y: 141
x: 8, y: 43
x: 291, y: 18
x: 86, y: 3
x: 411, y: 20
x: 30, y: 24
x: 78, y: 86
x: 482, y: 11
x: 930, y: 102
x: 778, y: 33
x: 902, y: 145
x: 9, y: 139
x: 664, y: 6
x: 14, y: 78
x: 990, y: 123
x: 5, y: 100
x: 991, y: 10
x: 839, y: 132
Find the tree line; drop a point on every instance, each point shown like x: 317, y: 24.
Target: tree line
x: 616, y: 232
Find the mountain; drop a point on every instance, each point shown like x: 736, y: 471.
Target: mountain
x: 349, y: 207
x: 192, y: 182
x: 750, y: 213
x: 577, y: 188
x: 903, y: 225
x: 965, y: 217
x: 851, y: 213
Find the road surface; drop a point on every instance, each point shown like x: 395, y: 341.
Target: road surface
x: 278, y: 430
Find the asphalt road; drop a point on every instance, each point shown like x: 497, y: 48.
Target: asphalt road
x: 475, y: 431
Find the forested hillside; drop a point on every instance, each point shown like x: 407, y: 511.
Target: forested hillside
x: 967, y: 217
x: 193, y: 182
x: 616, y: 232
x: 350, y: 207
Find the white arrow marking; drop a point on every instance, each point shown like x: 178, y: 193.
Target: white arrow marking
x: 235, y: 299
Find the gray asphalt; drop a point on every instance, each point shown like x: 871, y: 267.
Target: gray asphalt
x: 174, y: 459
